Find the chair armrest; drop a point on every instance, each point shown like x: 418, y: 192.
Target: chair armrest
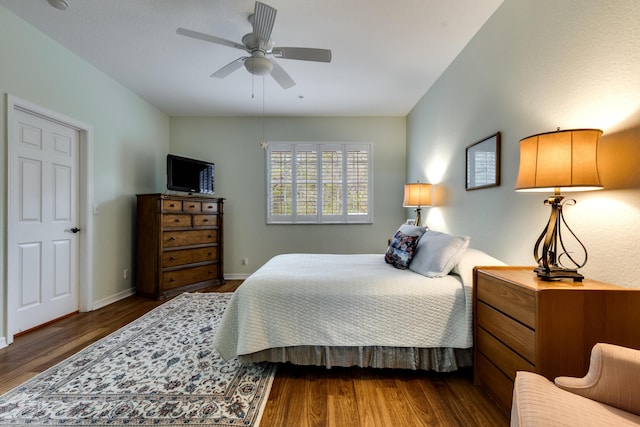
x: 613, y: 378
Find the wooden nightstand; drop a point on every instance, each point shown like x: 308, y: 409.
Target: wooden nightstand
x: 523, y: 323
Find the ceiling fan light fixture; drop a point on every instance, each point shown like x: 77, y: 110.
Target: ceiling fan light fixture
x: 59, y: 4
x: 258, y: 66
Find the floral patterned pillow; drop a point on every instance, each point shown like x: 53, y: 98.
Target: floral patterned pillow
x: 401, y: 250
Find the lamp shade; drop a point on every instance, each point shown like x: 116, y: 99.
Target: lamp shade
x: 559, y: 161
x: 417, y: 194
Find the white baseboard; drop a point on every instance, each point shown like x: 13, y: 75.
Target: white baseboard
x: 113, y: 298
x: 127, y: 293
x: 3, y: 342
x: 234, y: 276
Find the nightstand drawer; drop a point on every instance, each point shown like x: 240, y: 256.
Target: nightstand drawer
x: 494, y: 381
x: 502, y: 356
x: 513, y: 334
x: 509, y: 300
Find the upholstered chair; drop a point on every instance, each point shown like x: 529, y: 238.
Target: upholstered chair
x: 608, y: 395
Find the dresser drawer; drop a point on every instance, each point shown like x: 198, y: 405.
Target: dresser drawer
x: 205, y: 220
x: 209, y: 207
x: 176, y: 220
x: 169, y: 205
x: 189, y: 256
x: 185, y: 276
x: 172, y: 239
x: 502, y: 356
x: 507, y: 299
x: 513, y: 334
x: 192, y: 206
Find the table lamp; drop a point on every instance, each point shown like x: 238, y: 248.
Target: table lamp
x: 417, y: 195
x: 560, y: 161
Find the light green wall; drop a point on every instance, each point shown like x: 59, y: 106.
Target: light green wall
x: 233, y: 144
x: 537, y: 65
x: 131, y: 139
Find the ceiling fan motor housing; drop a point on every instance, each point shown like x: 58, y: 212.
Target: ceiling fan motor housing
x: 252, y: 43
x: 257, y: 64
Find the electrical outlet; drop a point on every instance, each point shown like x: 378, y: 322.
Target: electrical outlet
x: 125, y: 273
x: 245, y: 261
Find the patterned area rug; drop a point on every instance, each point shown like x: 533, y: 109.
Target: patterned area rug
x: 159, y: 370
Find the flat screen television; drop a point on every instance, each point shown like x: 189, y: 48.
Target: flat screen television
x: 190, y: 175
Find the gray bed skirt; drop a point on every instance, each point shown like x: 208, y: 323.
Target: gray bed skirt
x: 429, y: 359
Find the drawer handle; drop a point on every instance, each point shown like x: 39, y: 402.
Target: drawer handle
x: 192, y: 206
x: 172, y: 258
x: 172, y: 280
x: 172, y: 205
x: 177, y: 220
x: 210, y: 271
x: 172, y: 238
x: 209, y: 236
x: 209, y: 253
x: 206, y: 220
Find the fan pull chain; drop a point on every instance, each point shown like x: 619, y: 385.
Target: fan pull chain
x: 263, y: 92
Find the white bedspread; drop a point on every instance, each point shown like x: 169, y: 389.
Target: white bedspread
x: 343, y: 300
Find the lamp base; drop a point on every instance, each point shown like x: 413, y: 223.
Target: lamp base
x: 556, y: 273
x: 418, y: 221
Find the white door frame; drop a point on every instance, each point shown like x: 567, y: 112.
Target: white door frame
x: 85, y: 206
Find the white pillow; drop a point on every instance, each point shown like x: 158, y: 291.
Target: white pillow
x: 437, y: 253
x: 473, y: 258
x: 412, y: 230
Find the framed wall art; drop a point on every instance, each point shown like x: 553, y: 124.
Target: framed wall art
x: 483, y: 163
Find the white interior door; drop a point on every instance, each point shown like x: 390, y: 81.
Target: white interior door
x: 43, y: 248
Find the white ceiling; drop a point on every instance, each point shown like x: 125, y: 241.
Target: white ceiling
x: 386, y: 54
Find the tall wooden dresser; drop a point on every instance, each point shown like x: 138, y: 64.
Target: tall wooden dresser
x: 179, y: 244
x: 522, y: 323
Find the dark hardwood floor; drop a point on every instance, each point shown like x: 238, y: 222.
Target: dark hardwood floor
x: 300, y: 396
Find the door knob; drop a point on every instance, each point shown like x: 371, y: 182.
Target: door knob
x: 74, y: 230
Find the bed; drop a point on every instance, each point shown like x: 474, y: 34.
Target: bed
x: 352, y: 310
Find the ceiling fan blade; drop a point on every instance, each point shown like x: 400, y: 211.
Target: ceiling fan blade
x: 209, y: 38
x: 229, y: 68
x: 264, y: 17
x: 303, y: 53
x: 281, y: 76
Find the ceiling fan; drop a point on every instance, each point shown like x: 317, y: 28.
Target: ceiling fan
x: 259, y: 45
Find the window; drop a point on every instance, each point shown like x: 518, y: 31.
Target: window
x: 319, y: 183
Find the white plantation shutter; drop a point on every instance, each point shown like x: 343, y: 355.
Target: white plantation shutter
x: 358, y: 182
x: 319, y: 183
x: 306, y: 183
x: 280, y: 183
